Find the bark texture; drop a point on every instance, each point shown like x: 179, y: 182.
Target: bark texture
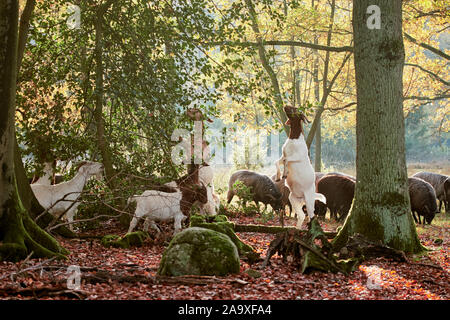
x: 381, y: 210
x: 19, y: 235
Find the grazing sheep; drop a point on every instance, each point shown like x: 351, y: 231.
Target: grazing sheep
x: 320, y: 175
x: 62, y: 197
x: 262, y: 187
x: 437, y: 181
x: 339, y: 191
x: 154, y: 205
x: 423, y: 199
x: 297, y: 169
x: 447, y: 195
x: 341, y: 175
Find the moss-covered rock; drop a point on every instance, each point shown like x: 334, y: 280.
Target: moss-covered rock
x: 221, y: 224
x: 200, y: 251
x: 133, y: 239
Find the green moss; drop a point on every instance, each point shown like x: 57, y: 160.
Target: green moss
x: 391, y: 224
x: 312, y: 261
x: 133, y: 239
x: 200, y: 251
x: 21, y: 235
x: 221, y: 224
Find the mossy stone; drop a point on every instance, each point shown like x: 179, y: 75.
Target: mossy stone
x: 200, y: 251
x: 221, y: 224
x: 133, y: 239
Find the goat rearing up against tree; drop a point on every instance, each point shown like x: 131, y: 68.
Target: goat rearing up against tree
x: 60, y: 198
x: 298, y: 171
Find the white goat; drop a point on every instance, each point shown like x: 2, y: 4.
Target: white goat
x: 206, y: 177
x: 298, y: 170
x: 49, y: 196
x: 157, y: 206
x: 48, y: 175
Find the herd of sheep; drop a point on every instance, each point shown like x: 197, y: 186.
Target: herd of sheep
x: 297, y: 186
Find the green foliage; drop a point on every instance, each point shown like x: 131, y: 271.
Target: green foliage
x: 148, y: 82
x: 245, y: 195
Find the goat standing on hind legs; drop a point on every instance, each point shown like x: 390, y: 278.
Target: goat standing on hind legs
x: 298, y: 171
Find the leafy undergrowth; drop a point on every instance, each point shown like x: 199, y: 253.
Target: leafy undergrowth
x: 114, y: 273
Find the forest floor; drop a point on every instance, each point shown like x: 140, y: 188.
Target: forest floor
x: 113, y: 273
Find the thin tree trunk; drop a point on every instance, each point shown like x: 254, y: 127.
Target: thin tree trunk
x: 102, y: 142
x: 381, y: 208
x: 265, y: 62
x: 318, y: 150
x: 318, y: 144
x: 326, y: 87
x: 25, y: 19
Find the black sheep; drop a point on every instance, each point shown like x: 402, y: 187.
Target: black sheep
x: 447, y: 195
x: 438, y: 182
x: 339, y: 191
x: 262, y: 188
x: 423, y: 199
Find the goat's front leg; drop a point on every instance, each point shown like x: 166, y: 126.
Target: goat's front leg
x: 285, y: 169
x: 277, y: 165
x: 133, y: 224
x: 178, y: 219
x: 70, y: 214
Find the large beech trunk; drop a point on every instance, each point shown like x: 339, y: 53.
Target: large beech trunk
x: 381, y: 208
x: 19, y: 234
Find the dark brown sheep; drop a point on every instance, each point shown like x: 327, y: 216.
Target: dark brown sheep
x: 423, y: 199
x: 447, y: 195
x: 262, y: 187
x: 339, y: 191
x: 437, y: 181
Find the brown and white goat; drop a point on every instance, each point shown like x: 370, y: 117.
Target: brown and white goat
x: 299, y: 173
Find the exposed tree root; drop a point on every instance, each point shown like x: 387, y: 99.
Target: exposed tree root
x: 313, y: 251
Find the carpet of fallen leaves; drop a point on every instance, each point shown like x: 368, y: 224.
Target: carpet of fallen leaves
x: 131, y: 273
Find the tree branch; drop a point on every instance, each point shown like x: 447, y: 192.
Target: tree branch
x: 445, y: 96
x: 427, y: 46
x: 280, y: 43
x: 435, y: 76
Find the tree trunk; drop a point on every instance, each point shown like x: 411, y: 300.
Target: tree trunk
x: 278, y: 108
x: 318, y: 150
x: 318, y: 145
x: 23, y: 30
x: 29, y: 201
x: 381, y: 208
x: 102, y: 142
x: 19, y: 235
x: 325, y: 85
